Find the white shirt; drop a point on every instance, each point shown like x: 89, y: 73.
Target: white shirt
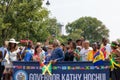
x: 83, y: 53
x: 11, y: 56
x: 108, y: 49
x: 42, y: 56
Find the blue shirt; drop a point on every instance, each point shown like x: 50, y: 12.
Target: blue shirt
x: 28, y: 55
x: 47, y: 59
x: 57, y: 54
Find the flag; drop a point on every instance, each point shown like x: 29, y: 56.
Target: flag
x: 98, y: 59
x: 42, y: 64
x: 55, y: 67
x: 27, y: 67
x: 47, y: 69
x: 64, y: 68
x: 104, y: 51
x: 69, y: 67
x: 113, y: 63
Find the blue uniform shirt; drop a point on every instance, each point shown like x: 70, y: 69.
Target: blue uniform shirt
x: 57, y: 54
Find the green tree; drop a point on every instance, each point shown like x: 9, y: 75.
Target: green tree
x: 75, y: 34
x: 23, y: 19
x: 53, y: 26
x: 91, y: 28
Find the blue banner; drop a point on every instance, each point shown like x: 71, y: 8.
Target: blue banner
x: 61, y: 71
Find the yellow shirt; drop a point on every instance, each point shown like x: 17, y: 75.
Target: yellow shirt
x: 90, y: 56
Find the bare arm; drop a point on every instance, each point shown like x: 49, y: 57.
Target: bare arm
x: 18, y: 56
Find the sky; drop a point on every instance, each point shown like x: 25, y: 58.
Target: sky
x: 107, y: 11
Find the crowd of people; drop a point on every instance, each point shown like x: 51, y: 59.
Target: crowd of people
x: 79, y: 50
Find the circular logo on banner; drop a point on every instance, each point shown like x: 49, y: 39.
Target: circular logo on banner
x: 20, y: 75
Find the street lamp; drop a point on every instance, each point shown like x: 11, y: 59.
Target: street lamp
x: 47, y: 3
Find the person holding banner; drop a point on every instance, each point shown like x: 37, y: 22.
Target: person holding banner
x: 39, y: 55
x: 72, y: 53
x: 11, y: 55
x: 105, y: 48
x: 57, y: 53
x: 95, y: 51
x: 28, y: 52
x: 84, y: 51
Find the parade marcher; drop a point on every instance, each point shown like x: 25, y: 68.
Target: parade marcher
x: 75, y: 51
x: 39, y: 55
x: 28, y: 52
x: 63, y: 47
x: 115, y: 64
x: 92, y: 53
x: 11, y: 55
x: 48, y: 53
x: 21, y: 49
x: 79, y: 42
x: 69, y: 41
x: 38, y: 44
x: 105, y: 48
x: 86, y: 48
x: 3, y: 51
x: 57, y: 53
x: 72, y: 54
x: 1, y: 66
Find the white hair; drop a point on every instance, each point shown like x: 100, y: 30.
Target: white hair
x: 56, y: 42
x: 87, y: 41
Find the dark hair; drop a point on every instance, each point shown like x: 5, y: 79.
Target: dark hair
x: 1, y: 55
x: 98, y: 45
x: 62, y: 44
x: 78, y: 40
x: 29, y: 44
x: 36, y: 49
x: 74, y: 44
x: 119, y: 45
x: 104, y: 39
x: 45, y: 48
x: 69, y: 41
x: 9, y: 48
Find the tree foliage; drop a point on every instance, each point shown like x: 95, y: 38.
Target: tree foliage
x: 21, y: 19
x: 91, y: 28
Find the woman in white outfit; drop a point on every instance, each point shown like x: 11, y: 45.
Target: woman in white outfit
x: 12, y: 55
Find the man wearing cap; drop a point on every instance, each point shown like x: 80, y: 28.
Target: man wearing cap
x: 84, y: 51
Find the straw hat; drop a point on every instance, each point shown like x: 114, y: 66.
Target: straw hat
x: 12, y: 40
